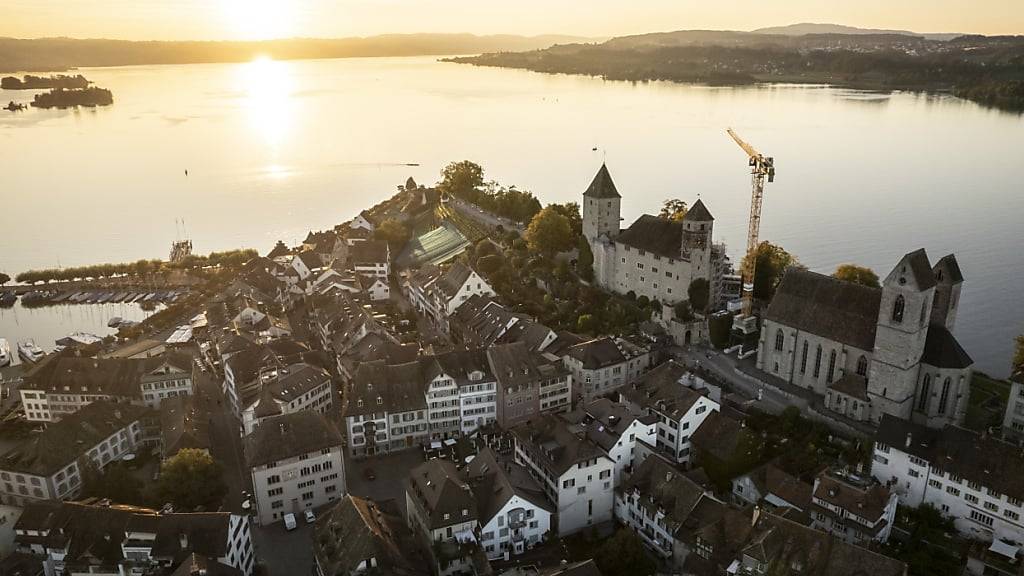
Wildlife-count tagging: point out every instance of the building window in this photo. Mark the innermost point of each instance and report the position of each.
(922, 402)
(983, 519)
(817, 362)
(803, 359)
(831, 366)
(779, 339)
(944, 399)
(897, 309)
(862, 366)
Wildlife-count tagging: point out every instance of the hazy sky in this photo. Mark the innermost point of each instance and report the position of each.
(254, 19)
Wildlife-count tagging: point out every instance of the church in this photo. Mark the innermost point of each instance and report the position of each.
(655, 257)
(873, 351)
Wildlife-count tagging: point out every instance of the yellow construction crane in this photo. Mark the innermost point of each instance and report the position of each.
(761, 168)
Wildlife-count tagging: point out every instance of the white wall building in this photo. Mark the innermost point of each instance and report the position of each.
(437, 293)
(50, 465)
(973, 479)
(603, 365)
(679, 400)
(296, 464)
(858, 510)
(1013, 420)
(575, 473)
(288, 390)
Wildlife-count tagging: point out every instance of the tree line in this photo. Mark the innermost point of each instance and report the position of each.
(226, 259)
(465, 181)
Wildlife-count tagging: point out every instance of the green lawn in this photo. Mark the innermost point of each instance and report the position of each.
(982, 410)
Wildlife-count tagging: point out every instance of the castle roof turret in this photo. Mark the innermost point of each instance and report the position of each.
(699, 213)
(602, 186)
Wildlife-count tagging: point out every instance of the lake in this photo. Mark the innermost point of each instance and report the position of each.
(274, 149)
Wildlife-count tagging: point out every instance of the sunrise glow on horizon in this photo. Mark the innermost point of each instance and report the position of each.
(270, 19)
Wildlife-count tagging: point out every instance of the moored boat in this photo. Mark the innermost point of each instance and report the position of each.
(5, 352)
(29, 351)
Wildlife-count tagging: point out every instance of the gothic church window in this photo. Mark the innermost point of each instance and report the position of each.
(831, 366)
(897, 309)
(944, 399)
(922, 401)
(862, 366)
(779, 340)
(803, 359)
(817, 362)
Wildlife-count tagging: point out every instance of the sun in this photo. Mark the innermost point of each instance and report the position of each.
(259, 19)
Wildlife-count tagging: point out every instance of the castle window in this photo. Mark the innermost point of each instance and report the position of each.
(922, 401)
(817, 362)
(803, 359)
(897, 309)
(944, 399)
(779, 338)
(862, 366)
(831, 366)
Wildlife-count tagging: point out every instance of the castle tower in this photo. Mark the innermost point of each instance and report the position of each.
(903, 318)
(601, 207)
(947, 291)
(697, 225)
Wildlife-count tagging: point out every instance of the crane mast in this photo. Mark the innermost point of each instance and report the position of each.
(762, 168)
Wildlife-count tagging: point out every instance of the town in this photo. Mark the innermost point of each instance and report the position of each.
(460, 381)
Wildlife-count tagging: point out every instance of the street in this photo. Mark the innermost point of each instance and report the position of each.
(724, 366)
(225, 442)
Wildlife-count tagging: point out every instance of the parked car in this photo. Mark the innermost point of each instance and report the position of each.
(289, 521)
(309, 516)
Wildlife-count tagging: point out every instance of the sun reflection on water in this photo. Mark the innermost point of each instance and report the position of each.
(268, 85)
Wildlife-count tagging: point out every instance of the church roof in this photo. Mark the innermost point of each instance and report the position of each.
(952, 267)
(921, 268)
(661, 236)
(699, 212)
(825, 306)
(602, 186)
(942, 350)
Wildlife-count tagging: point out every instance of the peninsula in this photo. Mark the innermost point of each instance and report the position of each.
(29, 82)
(986, 69)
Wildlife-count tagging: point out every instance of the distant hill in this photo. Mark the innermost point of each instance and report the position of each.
(811, 28)
(58, 54)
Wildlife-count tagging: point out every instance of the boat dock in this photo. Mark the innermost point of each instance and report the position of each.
(100, 296)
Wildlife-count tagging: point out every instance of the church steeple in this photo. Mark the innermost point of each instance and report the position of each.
(602, 185)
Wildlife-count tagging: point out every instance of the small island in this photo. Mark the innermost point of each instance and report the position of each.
(61, 98)
(28, 82)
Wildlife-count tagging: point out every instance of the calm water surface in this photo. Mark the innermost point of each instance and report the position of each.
(274, 149)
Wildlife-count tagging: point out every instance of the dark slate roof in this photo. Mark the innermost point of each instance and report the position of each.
(197, 564)
(866, 501)
(853, 385)
(207, 534)
(368, 252)
(440, 490)
(583, 568)
(555, 444)
(659, 236)
(400, 387)
(356, 529)
(942, 350)
(597, 353)
(453, 279)
(983, 459)
(825, 306)
(280, 249)
(605, 421)
(661, 390)
(68, 439)
(921, 268)
(719, 435)
(311, 259)
(495, 484)
(602, 185)
(952, 273)
(515, 365)
(770, 479)
(290, 435)
(698, 212)
(183, 425)
(782, 542)
(661, 486)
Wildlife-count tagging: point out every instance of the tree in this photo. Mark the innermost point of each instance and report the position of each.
(191, 479)
(857, 275)
(624, 555)
(683, 311)
(489, 264)
(772, 262)
(699, 293)
(461, 179)
(1018, 355)
(117, 483)
(571, 210)
(4, 278)
(393, 232)
(586, 323)
(585, 262)
(549, 233)
(673, 209)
